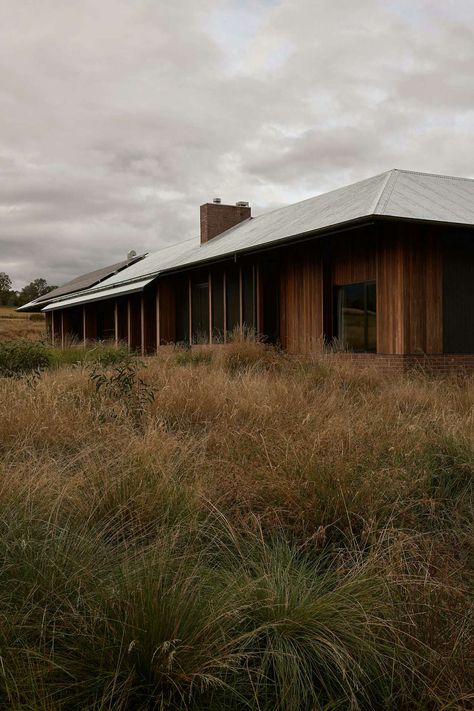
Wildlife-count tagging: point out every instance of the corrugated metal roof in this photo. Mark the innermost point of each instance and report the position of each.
(396, 193)
(84, 281)
(98, 296)
(422, 196)
(155, 262)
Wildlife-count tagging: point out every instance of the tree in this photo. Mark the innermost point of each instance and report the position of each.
(5, 287)
(35, 289)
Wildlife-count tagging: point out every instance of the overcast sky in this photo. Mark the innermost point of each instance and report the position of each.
(118, 118)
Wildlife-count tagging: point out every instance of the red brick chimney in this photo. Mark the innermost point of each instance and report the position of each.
(217, 218)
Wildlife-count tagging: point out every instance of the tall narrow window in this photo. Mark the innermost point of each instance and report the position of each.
(232, 298)
(249, 297)
(200, 311)
(355, 316)
(182, 311)
(217, 282)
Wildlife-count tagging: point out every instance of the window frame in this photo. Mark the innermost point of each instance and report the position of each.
(337, 314)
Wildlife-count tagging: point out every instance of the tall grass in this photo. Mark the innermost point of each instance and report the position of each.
(261, 533)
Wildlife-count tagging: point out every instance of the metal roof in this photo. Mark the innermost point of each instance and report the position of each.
(396, 193)
(155, 262)
(84, 281)
(98, 296)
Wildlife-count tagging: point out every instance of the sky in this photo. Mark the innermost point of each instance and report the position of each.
(118, 118)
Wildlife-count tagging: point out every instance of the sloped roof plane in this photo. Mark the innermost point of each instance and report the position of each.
(396, 193)
(79, 283)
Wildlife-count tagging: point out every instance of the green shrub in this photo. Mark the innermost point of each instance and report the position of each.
(21, 357)
(122, 386)
(103, 353)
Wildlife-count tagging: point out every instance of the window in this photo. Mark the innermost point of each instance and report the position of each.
(182, 311)
(355, 316)
(217, 281)
(200, 311)
(249, 297)
(232, 284)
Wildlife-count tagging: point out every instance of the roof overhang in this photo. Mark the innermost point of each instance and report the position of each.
(98, 295)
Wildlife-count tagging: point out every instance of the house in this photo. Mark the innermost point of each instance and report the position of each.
(383, 267)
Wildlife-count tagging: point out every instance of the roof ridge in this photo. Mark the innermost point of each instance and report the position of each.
(388, 175)
(300, 202)
(431, 175)
(386, 191)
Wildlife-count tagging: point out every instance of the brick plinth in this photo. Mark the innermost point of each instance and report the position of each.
(403, 363)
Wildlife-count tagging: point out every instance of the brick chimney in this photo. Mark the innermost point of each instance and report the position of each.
(217, 218)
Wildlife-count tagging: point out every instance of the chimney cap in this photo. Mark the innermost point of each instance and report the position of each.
(242, 203)
(217, 201)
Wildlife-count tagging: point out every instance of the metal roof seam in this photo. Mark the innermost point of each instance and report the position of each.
(387, 191)
(388, 177)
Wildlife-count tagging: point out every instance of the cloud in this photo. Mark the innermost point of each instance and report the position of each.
(118, 118)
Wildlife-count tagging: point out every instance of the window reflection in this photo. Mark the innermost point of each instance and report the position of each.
(355, 317)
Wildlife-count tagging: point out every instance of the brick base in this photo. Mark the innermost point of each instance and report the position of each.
(403, 363)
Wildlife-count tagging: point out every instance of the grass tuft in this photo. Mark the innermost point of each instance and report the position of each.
(249, 531)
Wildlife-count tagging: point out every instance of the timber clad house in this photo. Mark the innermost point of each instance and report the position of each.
(383, 267)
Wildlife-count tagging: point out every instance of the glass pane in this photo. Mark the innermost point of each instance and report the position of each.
(356, 316)
(371, 317)
(200, 312)
(352, 316)
(217, 281)
(182, 311)
(232, 299)
(248, 296)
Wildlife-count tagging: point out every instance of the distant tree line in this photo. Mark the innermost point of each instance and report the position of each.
(10, 297)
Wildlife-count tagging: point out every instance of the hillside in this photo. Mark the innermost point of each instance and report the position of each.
(234, 530)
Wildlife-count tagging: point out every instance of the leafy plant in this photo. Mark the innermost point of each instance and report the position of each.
(21, 357)
(123, 384)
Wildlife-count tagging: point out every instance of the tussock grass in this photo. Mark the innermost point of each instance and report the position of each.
(236, 531)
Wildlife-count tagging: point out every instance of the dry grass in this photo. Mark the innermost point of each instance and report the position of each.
(15, 325)
(365, 475)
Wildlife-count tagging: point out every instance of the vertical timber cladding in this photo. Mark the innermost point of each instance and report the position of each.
(301, 298)
(409, 289)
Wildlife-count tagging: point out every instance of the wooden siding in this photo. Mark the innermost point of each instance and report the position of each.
(301, 300)
(409, 290)
(353, 259)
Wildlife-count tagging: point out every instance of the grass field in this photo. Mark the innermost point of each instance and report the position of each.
(234, 530)
(15, 325)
